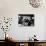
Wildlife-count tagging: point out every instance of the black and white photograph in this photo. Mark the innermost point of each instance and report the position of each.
(26, 19)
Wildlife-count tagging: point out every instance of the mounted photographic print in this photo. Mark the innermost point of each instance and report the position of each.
(26, 19)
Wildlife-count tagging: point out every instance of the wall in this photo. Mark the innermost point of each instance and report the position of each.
(11, 8)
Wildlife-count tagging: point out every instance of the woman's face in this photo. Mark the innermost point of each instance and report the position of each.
(25, 20)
